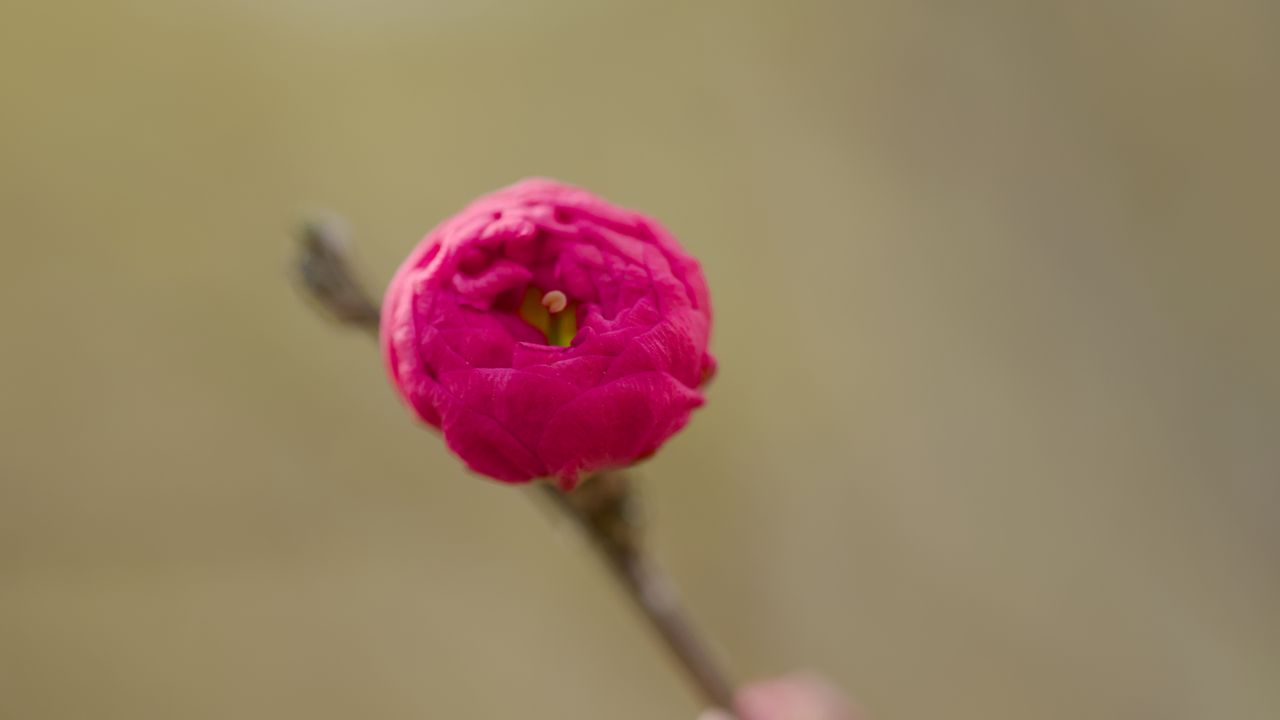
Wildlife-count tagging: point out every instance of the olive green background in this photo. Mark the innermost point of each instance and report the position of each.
(997, 428)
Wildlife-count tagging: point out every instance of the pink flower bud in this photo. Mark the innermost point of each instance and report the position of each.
(547, 333)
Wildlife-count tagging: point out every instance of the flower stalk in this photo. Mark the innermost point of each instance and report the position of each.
(603, 506)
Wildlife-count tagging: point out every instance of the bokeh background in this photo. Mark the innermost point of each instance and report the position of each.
(996, 434)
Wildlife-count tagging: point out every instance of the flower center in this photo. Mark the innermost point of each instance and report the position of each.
(552, 313)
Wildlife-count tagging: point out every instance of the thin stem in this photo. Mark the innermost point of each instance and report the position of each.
(603, 506)
(326, 274)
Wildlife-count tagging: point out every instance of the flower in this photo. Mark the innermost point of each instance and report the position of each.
(791, 697)
(548, 333)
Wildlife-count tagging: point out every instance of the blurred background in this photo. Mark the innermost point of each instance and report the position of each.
(997, 428)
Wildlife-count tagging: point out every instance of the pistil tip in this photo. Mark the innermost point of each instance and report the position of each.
(555, 301)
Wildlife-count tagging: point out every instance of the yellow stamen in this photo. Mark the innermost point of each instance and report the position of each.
(532, 312)
(564, 325)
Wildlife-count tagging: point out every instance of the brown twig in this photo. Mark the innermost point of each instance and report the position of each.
(602, 506)
(325, 270)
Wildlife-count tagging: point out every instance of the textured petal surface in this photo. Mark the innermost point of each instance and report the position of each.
(512, 405)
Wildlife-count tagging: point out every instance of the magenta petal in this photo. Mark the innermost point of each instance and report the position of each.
(666, 347)
(615, 424)
(521, 403)
(487, 447)
(498, 278)
(584, 371)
